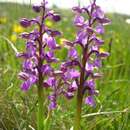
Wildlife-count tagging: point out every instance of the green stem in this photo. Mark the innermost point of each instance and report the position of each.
(78, 113)
(77, 125)
(40, 108)
(41, 113)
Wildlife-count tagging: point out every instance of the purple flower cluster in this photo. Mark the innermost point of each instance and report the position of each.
(80, 70)
(84, 67)
(39, 54)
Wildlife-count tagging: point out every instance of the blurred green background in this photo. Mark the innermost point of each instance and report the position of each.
(17, 108)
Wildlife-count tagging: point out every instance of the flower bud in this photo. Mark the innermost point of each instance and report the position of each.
(56, 17)
(25, 22)
(36, 8)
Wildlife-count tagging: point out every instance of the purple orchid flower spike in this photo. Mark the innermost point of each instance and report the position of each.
(37, 41)
(89, 61)
(39, 56)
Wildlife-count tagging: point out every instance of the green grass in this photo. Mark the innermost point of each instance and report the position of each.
(17, 108)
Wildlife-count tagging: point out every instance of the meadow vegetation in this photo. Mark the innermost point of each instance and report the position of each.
(17, 108)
